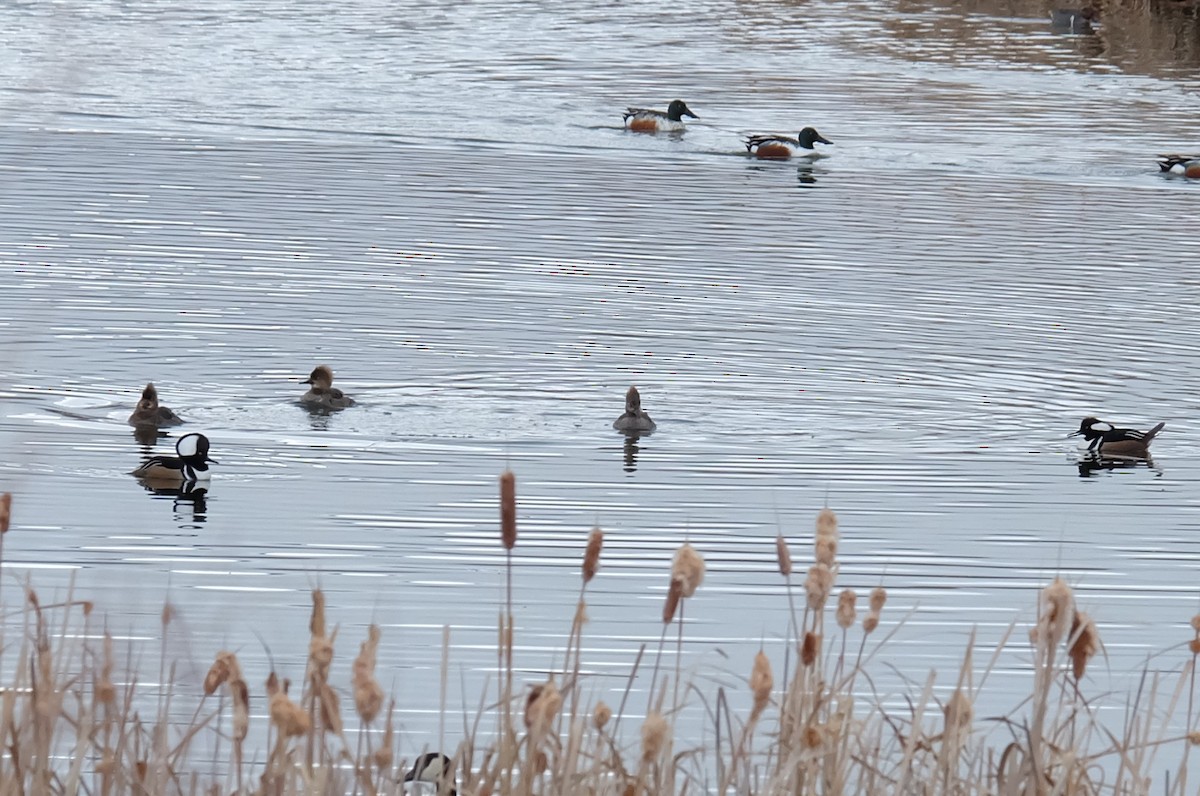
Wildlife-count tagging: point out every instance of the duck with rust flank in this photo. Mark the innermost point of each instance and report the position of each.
(1105, 441)
(644, 120)
(779, 147)
(189, 464)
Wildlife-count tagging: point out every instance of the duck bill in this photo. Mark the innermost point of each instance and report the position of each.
(211, 461)
(688, 112)
(822, 140)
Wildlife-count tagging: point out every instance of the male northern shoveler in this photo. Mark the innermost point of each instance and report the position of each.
(434, 768)
(644, 120)
(149, 413)
(1103, 440)
(634, 420)
(322, 394)
(191, 464)
(1187, 165)
(779, 147)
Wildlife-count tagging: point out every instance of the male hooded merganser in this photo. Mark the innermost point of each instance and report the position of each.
(149, 413)
(190, 465)
(1103, 440)
(435, 768)
(644, 120)
(781, 147)
(322, 394)
(1187, 165)
(634, 420)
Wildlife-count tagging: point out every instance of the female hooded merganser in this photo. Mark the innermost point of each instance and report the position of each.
(435, 768)
(644, 120)
(322, 394)
(1187, 165)
(149, 413)
(634, 420)
(781, 147)
(190, 465)
(1103, 440)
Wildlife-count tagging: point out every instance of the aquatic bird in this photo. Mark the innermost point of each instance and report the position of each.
(1102, 439)
(322, 394)
(644, 120)
(149, 413)
(1187, 165)
(634, 419)
(191, 463)
(435, 768)
(780, 147)
(1074, 20)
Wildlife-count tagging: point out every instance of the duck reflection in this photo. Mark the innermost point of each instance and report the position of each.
(147, 436)
(189, 498)
(630, 450)
(1090, 466)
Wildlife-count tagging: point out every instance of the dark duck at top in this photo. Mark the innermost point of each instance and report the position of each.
(150, 413)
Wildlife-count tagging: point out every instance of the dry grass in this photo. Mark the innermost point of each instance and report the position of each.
(68, 727)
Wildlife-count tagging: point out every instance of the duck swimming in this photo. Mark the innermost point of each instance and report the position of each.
(645, 120)
(434, 768)
(191, 463)
(149, 413)
(1105, 441)
(322, 394)
(634, 420)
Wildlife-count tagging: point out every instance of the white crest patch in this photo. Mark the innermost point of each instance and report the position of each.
(188, 445)
(432, 771)
(1102, 426)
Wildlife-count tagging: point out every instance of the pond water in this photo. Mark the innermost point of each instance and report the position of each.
(439, 200)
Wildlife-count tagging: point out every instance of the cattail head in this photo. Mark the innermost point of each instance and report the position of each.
(846, 608)
(5, 511)
(654, 735)
(541, 706)
(591, 557)
(761, 682)
(688, 569)
(818, 585)
(601, 715)
(368, 694)
(508, 509)
(331, 713)
(383, 755)
(827, 524)
(1057, 609)
(239, 693)
(870, 622)
(1196, 623)
(878, 599)
(320, 656)
(1084, 643)
(105, 691)
(289, 718)
(826, 551)
(810, 649)
(813, 737)
(671, 605)
(316, 623)
(783, 556)
(219, 673)
(958, 713)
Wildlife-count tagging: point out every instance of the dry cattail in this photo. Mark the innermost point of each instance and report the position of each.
(368, 694)
(508, 509)
(674, 592)
(1194, 645)
(105, 691)
(846, 612)
(810, 649)
(688, 569)
(870, 622)
(320, 655)
(1056, 614)
(601, 715)
(240, 695)
(958, 712)
(289, 718)
(813, 737)
(1085, 642)
(316, 623)
(331, 714)
(827, 524)
(591, 557)
(783, 556)
(761, 682)
(541, 707)
(826, 551)
(878, 599)
(5, 511)
(383, 755)
(273, 684)
(218, 673)
(1196, 623)
(654, 735)
(818, 585)
(1194, 738)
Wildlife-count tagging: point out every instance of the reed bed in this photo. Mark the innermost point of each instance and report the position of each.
(808, 721)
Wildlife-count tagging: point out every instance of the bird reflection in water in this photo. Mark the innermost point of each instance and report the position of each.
(190, 498)
(631, 449)
(1090, 466)
(146, 436)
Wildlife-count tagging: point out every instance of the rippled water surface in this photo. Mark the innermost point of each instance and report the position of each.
(439, 200)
